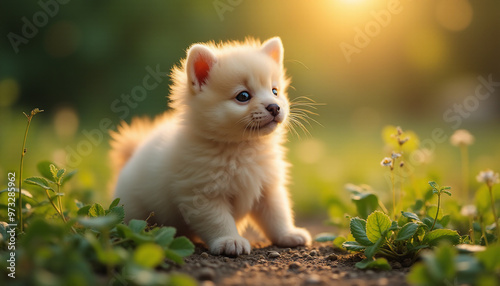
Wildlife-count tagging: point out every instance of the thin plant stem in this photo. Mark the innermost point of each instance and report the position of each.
(465, 170)
(400, 189)
(471, 230)
(483, 232)
(393, 194)
(54, 205)
(59, 201)
(494, 210)
(21, 164)
(437, 212)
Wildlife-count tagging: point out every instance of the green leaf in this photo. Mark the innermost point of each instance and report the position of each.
(428, 222)
(358, 231)
(99, 223)
(434, 185)
(394, 226)
(181, 279)
(43, 168)
(38, 181)
(366, 202)
(179, 248)
(339, 241)
(442, 265)
(419, 275)
(324, 237)
(411, 215)
(490, 258)
(83, 211)
(164, 236)
(149, 255)
(376, 224)
(105, 256)
(379, 263)
(60, 174)
(353, 246)
(445, 220)
(119, 212)
(434, 237)
(53, 172)
(96, 210)
(137, 226)
(172, 255)
(447, 192)
(407, 231)
(182, 246)
(68, 176)
(114, 203)
(370, 251)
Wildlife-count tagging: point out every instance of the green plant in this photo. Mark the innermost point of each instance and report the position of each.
(52, 176)
(490, 179)
(399, 239)
(436, 189)
(446, 266)
(88, 245)
(23, 153)
(379, 236)
(91, 244)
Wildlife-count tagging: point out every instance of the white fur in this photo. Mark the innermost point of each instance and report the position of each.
(207, 167)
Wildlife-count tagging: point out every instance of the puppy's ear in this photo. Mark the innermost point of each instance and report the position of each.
(274, 48)
(200, 60)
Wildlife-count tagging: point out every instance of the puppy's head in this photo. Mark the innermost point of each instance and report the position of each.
(236, 91)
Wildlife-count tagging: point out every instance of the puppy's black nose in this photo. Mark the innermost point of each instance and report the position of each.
(274, 109)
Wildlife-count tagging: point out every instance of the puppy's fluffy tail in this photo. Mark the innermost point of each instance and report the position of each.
(125, 141)
(127, 138)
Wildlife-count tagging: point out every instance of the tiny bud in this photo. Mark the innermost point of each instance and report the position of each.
(399, 130)
(403, 141)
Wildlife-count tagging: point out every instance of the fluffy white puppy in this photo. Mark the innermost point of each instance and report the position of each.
(217, 159)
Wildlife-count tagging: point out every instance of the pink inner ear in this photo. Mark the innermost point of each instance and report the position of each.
(275, 54)
(201, 68)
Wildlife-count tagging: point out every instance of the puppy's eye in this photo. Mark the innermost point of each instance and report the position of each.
(243, 96)
(275, 91)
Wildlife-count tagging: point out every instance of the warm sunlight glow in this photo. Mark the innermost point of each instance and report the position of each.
(352, 1)
(454, 15)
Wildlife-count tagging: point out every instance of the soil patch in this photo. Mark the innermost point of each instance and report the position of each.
(318, 264)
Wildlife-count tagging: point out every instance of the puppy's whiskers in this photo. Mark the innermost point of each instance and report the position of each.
(300, 115)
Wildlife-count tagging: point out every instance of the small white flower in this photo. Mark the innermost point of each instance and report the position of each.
(469, 210)
(395, 155)
(462, 137)
(386, 162)
(488, 177)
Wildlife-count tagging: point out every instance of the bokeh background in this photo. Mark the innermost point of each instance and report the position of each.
(370, 63)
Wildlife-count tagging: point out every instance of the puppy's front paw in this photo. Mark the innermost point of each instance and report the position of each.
(294, 237)
(229, 245)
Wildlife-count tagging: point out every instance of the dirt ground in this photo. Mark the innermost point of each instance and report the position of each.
(318, 264)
